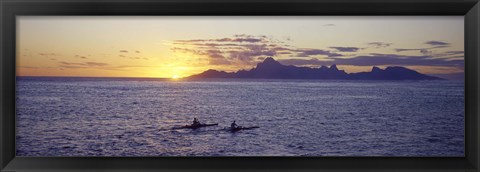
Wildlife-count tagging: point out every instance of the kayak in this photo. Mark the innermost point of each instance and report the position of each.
(241, 128)
(198, 126)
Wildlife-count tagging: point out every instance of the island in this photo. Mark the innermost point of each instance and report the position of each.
(272, 69)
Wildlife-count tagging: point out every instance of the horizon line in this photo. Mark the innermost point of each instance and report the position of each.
(89, 77)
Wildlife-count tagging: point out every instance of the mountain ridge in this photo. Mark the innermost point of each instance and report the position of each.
(272, 69)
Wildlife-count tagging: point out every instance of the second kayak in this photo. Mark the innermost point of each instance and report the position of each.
(240, 128)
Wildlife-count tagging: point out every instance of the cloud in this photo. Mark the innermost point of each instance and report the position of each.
(378, 60)
(74, 65)
(311, 52)
(218, 61)
(71, 63)
(424, 51)
(237, 38)
(304, 62)
(100, 66)
(379, 44)
(249, 50)
(36, 67)
(95, 64)
(244, 49)
(455, 52)
(29, 67)
(421, 50)
(440, 46)
(236, 50)
(250, 40)
(451, 54)
(187, 50)
(123, 51)
(216, 57)
(346, 49)
(437, 43)
(79, 56)
(133, 57)
(47, 54)
(329, 25)
(406, 49)
(394, 59)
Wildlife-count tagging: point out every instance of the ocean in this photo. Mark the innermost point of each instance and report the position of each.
(59, 116)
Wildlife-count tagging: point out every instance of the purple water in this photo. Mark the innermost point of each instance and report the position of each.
(133, 117)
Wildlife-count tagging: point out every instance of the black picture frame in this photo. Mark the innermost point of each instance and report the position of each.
(9, 9)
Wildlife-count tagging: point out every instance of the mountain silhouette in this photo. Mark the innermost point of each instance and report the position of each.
(272, 69)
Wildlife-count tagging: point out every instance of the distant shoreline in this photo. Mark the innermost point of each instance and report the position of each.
(113, 77)
(272, 69)
(79, 78)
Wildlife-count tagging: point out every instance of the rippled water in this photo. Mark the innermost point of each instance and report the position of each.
(133, 117)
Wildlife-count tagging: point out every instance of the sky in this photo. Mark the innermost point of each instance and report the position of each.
(180, 46)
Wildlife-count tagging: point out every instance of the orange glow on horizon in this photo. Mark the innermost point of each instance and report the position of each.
(178, 47)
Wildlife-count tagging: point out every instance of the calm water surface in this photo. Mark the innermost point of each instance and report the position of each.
(134, 117)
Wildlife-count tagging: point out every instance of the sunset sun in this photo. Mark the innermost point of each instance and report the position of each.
(175, 77)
